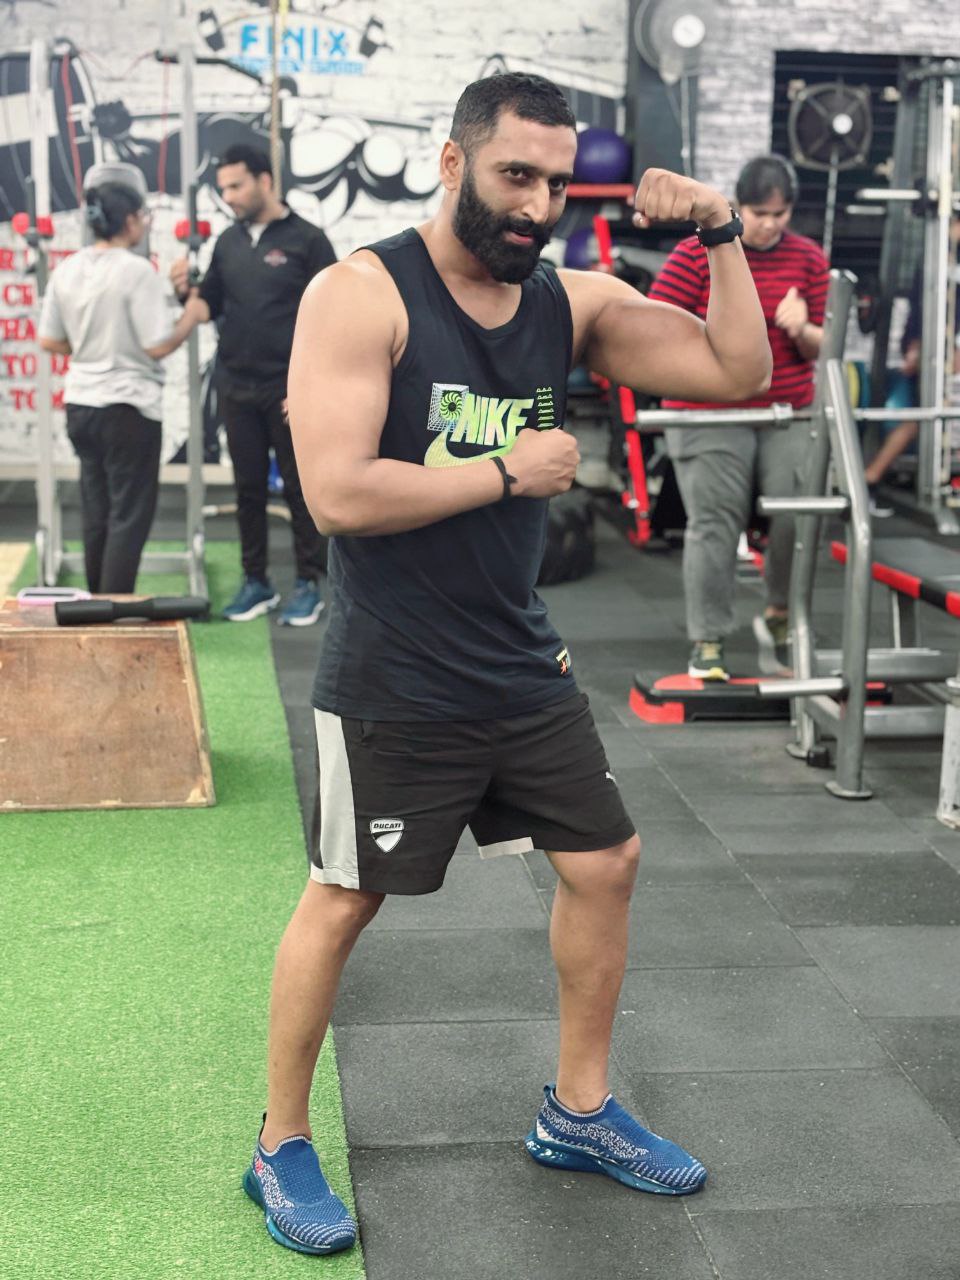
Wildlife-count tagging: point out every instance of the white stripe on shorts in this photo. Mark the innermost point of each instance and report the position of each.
(522, 845)
(338, 824)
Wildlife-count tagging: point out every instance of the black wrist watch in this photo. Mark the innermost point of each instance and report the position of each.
(710, 236)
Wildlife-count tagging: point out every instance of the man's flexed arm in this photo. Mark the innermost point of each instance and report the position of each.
(339, 394)
(661, 349)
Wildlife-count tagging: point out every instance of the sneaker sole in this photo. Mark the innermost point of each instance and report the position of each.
(716, 675)
(308, 621)
(767, 660)
(257, 611)
(558, 1155)
(252, 1187)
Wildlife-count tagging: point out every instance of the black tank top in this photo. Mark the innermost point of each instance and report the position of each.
(443, 622)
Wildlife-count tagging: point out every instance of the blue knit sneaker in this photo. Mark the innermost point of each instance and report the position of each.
(304, 606)
(300, 1210)
(610, 1141)
(253, 599)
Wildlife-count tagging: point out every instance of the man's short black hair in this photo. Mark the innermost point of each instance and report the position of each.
(525, 95)
(257, 161)
(762, 176)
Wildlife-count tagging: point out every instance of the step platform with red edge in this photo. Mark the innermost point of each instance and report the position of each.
(680, 699)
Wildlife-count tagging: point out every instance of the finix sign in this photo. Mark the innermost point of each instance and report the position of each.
(306, 48)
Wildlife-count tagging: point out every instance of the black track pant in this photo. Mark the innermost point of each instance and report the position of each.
(119, 452)
(255, 423)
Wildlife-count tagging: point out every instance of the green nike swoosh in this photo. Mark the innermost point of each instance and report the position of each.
(439, 455)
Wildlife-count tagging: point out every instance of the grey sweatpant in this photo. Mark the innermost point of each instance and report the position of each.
(716, 468)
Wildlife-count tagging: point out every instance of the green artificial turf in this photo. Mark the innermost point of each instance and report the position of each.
(136, 949)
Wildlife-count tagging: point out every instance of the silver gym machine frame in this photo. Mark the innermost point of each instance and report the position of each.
(52, 559)
(828, 688)
(938, 202)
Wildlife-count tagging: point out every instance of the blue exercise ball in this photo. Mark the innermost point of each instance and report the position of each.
(602, 156)
(580, 253)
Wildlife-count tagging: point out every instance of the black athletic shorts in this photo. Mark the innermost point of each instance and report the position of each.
(394, 798)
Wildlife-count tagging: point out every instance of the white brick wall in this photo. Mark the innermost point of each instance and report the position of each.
(434, 50)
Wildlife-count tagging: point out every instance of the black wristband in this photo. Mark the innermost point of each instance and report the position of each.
(508, 479)
(710, 236)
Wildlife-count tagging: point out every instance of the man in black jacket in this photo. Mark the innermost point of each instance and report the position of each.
(252, 289)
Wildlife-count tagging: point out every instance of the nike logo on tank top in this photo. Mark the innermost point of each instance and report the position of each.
(443, 622)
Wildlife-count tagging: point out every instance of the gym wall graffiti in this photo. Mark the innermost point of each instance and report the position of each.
(359, 141)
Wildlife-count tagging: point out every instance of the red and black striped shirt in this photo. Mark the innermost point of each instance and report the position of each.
(794, 261)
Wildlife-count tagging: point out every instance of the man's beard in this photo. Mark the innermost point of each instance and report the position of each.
(481, 231)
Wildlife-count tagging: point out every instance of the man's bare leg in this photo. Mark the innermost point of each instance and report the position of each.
(588, 937)
(899, 439)
(315, 947)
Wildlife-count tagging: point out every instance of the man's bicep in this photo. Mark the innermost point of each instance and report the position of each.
(650, 346)
(339, 382)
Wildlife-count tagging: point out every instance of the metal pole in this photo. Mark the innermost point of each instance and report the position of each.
(775, 415)
(930, 478)
(188, 184)
(831, 209)
(807, 528)
(948, 808)
(856, 611)
(48, 537)
(276, 151)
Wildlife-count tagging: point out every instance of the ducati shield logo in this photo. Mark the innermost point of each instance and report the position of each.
(386, 833)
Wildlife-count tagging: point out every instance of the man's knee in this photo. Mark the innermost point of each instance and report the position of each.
(344, 911)
(609, 871)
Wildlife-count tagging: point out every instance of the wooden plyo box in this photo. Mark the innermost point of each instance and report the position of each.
(99, 717)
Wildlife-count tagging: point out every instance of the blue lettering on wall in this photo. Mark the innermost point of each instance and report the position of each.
(306, 48)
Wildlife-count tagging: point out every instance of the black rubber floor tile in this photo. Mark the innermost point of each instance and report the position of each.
(799, 1139)
(461, 1082)
(677, 853)
(683, 852)
(483, 975)
(858, 888)
(477, 893)
(909, 971)
(907, 792)
(928, 1049)
(540, 870)
(709, 740)
(740, 773)
(492, 1213)
(834, 1244)
(650, 796)
(623, 615)
(945, 840)
(695, 1020)
(707, 926)
(626, 748)
(814, 822)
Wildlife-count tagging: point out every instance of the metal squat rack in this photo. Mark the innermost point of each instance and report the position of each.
(52, 559)
(829, 687)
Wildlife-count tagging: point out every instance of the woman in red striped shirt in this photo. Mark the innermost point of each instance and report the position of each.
(716, 467)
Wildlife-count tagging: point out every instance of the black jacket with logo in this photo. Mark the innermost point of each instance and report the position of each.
(253, 292)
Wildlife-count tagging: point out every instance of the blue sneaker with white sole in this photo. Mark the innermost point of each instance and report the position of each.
(253, 599)
(304, 606)
(610, 1141)
(300, 1210)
